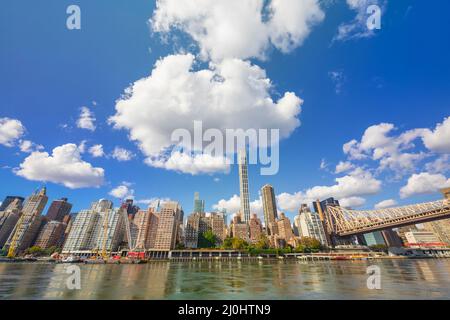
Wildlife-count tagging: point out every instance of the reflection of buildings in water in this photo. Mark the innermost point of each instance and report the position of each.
(423, 268)
(57, 283)
(32, 282)
(151, 280)
(399, 270)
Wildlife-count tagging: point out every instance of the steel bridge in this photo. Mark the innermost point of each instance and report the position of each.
(343, 222)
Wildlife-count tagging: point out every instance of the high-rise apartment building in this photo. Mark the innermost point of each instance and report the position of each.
(112, 228)
(255, 227)
(81, 236)
(284, 228)
(27, 228)
(8, 200)
(308, 224)
(239, 229)
(96, 230)
(269, 208)
(101, 205)
(199, 223)
(51, 235)
(144, 228)
(8, 220)
(243, 185)
(58, 210)
(169, 226)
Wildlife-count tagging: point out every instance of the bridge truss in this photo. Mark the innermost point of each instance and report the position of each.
(343, 222)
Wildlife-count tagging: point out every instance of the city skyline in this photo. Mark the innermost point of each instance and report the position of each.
(371, 131)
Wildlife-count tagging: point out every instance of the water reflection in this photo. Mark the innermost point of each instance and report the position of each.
(401, 279)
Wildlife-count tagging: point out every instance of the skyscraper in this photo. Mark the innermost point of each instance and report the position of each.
(51, 235)
(308, 224)
(243, 184)
(27, 228)
(96, 230)
(269, 208)
(58, 210)
(8, 200)
(255, 227)
(199, 205)
(8, 220)
(284, 228)
(170, 221)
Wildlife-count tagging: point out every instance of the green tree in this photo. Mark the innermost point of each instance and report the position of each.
(3, 252)
(307, 244)
(262, 243)
(239, 244)
(35, 251)
(207, 239)
(227, 243)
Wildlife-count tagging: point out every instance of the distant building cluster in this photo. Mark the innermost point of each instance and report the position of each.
(105, 229)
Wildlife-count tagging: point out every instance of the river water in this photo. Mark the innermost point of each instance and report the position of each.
(400, 279)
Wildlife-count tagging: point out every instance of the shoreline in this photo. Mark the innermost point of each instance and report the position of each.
(216, 259)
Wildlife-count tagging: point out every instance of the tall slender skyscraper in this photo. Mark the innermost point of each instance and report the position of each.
(243, 183)
(199, 205)
(269, 208)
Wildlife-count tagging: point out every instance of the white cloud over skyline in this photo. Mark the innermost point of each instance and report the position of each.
(64, 166)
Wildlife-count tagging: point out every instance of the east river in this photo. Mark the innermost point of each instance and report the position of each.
(400, 279)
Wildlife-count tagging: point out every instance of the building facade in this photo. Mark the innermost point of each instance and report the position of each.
(269, 209)
(8, 220)
(284, 228)
(255, 227)
(58, 210)
(8, 200)
(27, 228)
(243, 186)
(51, 235)
(168, 230)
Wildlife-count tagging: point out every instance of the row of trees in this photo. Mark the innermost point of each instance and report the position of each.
(39, 252)
(35, 251)
(305, 245)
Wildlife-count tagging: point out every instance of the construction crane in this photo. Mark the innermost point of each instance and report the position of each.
(15, 238)
(127, 226)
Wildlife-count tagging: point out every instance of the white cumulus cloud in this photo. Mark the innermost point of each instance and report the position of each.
(239, 29)
(10, 131)
(357, 28)
(231, 95)
(185, 163)
(233, 205)
(347, 189)
(121, 154)
(122, 192)
(64, 166)
(386, 204)
(352, 202)
(28, 146)
(344, 167)
(86, 119)
(424, 183)
(438, 140)
(97, 151)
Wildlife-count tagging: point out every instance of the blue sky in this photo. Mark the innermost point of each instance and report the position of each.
(398, 75)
